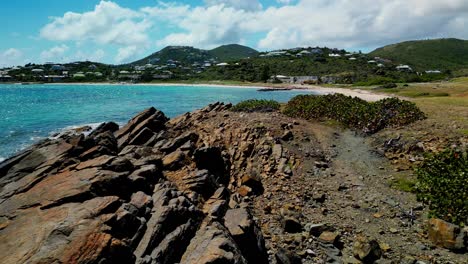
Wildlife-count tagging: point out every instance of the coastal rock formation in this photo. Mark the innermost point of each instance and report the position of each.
(152, 191)
(211, 186)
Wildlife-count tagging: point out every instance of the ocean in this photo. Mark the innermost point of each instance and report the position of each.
(29, 113)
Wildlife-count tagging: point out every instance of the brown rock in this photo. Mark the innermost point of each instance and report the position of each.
(247, 235)
(329, 237)
(447, 235)
(213, 244)
(174, 161)
(367, 250)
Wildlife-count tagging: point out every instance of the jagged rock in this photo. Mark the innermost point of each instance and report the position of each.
(247, 235)
(213, 244)
(202, 182)
(104, 127)
(367, 250)
(217, 205)
(151, 119)
(179, 141)
(142, 137)
(168, 225)
(120, 164)
(174, 160)
(448, 235)
(70, 233)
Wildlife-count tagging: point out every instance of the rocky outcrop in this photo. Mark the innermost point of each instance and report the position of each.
(211, 186)
(153, 191)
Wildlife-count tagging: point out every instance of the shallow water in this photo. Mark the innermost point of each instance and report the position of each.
(29, 113)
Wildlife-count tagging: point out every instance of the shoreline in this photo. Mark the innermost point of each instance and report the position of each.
(363, 94)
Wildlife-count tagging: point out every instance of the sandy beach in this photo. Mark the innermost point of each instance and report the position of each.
(363, 94)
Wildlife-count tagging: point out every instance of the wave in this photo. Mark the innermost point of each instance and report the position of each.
(84, 129)
(2, 159)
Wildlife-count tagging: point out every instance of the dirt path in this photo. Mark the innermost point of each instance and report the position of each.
(342, 186)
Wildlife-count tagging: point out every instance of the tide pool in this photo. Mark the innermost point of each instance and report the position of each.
(29, 113)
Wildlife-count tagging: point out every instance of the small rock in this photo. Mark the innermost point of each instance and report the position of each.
(291, 225)
(287, 136)
(329, 237)
(367, 250)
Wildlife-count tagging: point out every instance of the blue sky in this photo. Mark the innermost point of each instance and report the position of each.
(120, 31)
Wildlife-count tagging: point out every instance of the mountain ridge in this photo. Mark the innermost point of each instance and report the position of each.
(441, 54)
(189, 55)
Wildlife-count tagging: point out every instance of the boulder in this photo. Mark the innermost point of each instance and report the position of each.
(447, 235)
(174, 161)
(247, 235)
(366, 250)
(213, 244)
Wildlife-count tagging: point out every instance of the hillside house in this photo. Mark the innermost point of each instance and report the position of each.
(433, 72)
(404, 68)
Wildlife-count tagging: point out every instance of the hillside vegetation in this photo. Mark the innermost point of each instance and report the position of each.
(232, 52)
(189, 55)
(440, 54)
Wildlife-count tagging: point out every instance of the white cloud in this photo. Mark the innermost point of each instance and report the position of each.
(11, 57)
(333, 23)
(54, 54)
(107, 24)
(127, 53)
(207, 27)
(247, 5)
(80, 55)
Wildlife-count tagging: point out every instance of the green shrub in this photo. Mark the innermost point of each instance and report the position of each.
(443, 185)
(255, 105)
(354, 112)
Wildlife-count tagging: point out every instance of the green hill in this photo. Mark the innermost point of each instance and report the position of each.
(189, 55)
(183, 54)
(440, 54)
(233, 52)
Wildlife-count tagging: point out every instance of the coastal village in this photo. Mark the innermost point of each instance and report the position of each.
(195, 66)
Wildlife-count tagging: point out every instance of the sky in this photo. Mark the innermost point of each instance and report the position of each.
(120, 31)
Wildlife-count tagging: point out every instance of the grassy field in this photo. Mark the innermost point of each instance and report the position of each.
(446, 106)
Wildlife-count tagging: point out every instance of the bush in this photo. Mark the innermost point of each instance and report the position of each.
(256, 106)
(443, 185)
(354, 112)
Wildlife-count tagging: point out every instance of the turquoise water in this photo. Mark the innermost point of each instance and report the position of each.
(29, 113)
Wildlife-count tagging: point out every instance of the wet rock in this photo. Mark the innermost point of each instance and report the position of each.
(367, 250)
(447, 235)
(104, 127)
